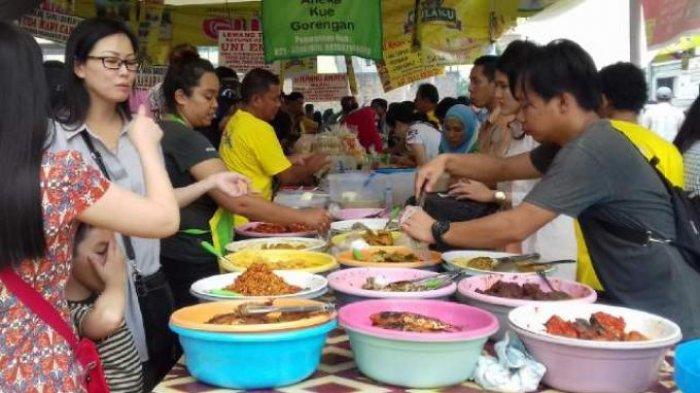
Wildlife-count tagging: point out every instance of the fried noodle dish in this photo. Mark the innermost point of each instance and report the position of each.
(411, 322)
(259, 280)
(600, 327)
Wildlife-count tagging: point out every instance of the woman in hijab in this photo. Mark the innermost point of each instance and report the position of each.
(459, 130)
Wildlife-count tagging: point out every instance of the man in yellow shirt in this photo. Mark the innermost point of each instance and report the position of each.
(250, 145)
(624, 91)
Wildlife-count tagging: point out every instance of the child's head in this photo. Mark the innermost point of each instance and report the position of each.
(90, 243)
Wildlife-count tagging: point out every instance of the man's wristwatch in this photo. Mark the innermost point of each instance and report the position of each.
(438, 229)
(500, 197)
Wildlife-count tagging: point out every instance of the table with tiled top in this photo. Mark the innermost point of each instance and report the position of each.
(337, 373)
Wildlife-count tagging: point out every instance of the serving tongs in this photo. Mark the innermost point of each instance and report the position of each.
(506, 264)
(248, 309)
(429, 283)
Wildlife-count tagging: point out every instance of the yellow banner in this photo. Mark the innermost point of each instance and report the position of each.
(403, 65)
(449, 31)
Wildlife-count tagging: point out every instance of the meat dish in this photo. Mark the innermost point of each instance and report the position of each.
(259, 280)
(600, 327)
(237, 318)
(386, 256)
(411, 322)
(526, 291)
(266, 227)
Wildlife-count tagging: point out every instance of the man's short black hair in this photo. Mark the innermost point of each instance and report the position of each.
(428, 92)
(257, 81)
(294, 96)
(624, 85)
(513, 60)
(380, 102)
(562, 66)
(488, 65)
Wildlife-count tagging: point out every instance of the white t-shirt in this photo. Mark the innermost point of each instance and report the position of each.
(420, 133)
(664, 119)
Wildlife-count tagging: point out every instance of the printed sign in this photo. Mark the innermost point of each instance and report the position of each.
(321, 87)
(303, 28)
(242, 50)
(51, 25)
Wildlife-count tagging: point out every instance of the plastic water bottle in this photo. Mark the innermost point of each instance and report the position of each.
(388, 200)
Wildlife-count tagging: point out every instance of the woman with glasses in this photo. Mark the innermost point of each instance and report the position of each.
(93, 118)
(45, 194)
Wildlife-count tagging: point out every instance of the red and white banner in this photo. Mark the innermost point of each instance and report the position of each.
(242, 50)
(321, 87)
(48, 24)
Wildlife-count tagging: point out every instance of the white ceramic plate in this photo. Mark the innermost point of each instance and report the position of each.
(257, 244)
(530, 319)
(371, 223)
(311, 284)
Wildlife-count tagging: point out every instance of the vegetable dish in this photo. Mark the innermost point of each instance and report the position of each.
(600, 327)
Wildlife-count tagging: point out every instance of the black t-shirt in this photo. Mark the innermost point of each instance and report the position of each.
(184, 148)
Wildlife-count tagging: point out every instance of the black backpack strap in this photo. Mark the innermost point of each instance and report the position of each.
(97, 157)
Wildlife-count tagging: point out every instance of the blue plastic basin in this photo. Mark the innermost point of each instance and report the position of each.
(253, 361)
(688, 367)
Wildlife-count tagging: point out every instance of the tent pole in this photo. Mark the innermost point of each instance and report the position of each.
(635, 25)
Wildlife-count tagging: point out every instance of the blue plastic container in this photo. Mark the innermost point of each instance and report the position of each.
(688, 367)
(253, 361)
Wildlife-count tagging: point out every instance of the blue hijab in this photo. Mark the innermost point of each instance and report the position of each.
(467, 117)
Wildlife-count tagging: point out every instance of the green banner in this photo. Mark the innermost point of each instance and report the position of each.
(303, 28)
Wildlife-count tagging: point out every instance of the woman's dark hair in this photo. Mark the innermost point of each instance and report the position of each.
(562, 66)
(183, 74)
(625, 86)
(689, 132)
(180, 51)
(23, 132)
(405, 112)
(257, 81)
(55, 72)
(74, 104)
(443, 106)
(514, 59)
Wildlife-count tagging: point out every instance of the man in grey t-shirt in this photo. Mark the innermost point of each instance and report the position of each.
(597, 177)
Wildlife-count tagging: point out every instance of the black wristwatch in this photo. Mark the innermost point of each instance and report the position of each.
(438, 229)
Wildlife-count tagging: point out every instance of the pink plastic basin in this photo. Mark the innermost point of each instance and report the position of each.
(475, 323)
(348, 283)
(500, 306)
(595, 366)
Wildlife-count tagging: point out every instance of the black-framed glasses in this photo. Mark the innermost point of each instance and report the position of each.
(115, 63)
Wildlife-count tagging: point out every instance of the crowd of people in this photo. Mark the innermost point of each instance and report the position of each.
(104, 211)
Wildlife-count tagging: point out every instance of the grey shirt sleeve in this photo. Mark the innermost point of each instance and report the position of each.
(575, 181)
